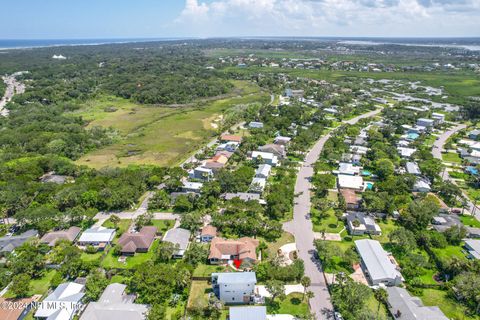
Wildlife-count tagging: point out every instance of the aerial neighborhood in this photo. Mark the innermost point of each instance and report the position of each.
(241, 180)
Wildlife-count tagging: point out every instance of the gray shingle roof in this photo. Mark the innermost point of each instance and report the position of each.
(405, 307)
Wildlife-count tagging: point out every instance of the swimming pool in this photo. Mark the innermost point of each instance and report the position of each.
(413, 136)
(369, 185)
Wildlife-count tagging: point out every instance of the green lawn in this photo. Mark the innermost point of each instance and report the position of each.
(163, 225)
(329, 223)
(450, 251)
(273, 247)
(293, 304)
(451, 157)
(387, 227)
(111, 261)
(205, 270)
(439, 298)
(198, 296)
(470, 221)
(37, 286)
(88, 257)
(372, 304)
(159, 135)
(122, 226)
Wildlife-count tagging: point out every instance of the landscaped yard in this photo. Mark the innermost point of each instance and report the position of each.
(453, 310)
(451, 157)
(111, 261)
(88, 257)
(122, 226)
(449, 252)
(163, 225)
(273, 247)
(293, 304)
(37, 286)
(328, 224)
(205, 270)
(470, 221)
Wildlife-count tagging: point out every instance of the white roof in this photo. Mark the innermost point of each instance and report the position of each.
(61, 302)
(97, 234)
(358, 149)
(376, 260)
(263, 155)
(413, 168)
(474, 245)
(421, 184)
(281, 138)
(192, 185)
(350, 182)
(202, 169)
(264, 170)
(348, 168)
(429, 121)
(406, 152)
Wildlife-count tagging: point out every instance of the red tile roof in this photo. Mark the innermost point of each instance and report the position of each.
(243, 248)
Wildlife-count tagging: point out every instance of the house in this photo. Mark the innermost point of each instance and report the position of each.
(201, 173)
(69, 235)
(378, 266)
(412, 168)
(19, 307)
(230, 138)
(8, 244)
(367, 224)
(474, 134)
(439, 118)
(132, 242)
(234, 287)
(403, 306)
(51, 177)
(282, 140)
(265, 157)
(294, 93)
(356, 158)
(473, 232)
(361, 150)
(422, 185)
(350, 182)
(255, 125)
(427, 123)
(359, 141)
(263, 171)
(276, 149)
(214, 166)
(115, 304)
(223, 250)
(97, 236)
(63, 303)
(473, 248)
(180, 237)
(245, 196)
(219, 158)
(348, 169)
(330, 110)
(194, 187)
(443, 221)
(230, 146)
(406, 152)
(351, 199)
(250, 313)
(208, 233)
(258, 185)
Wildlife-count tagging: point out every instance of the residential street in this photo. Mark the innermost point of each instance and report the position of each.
(301, 228)
(437, 153)
(13, 87)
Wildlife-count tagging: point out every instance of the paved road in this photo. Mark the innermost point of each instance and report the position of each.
(301, 228)
(437, 153)
(13, 87)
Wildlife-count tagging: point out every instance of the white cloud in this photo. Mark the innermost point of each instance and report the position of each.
(330, 17)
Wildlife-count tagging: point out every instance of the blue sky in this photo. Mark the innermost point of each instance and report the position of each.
(56, 19)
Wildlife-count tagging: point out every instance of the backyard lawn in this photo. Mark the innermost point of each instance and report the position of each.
(122, 226)
(293, 304)
(470, 221)
(111, 261)
(450, 251)
(451, 157)
(198, 297)
(453, 310)
(163, 225)
(37, 286)
(205, 270)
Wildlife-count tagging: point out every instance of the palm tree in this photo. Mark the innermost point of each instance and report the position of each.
(381, 295)
(310, 295)
(306, 282)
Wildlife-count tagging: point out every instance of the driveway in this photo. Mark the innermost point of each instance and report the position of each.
(301, 227)
(437, 153)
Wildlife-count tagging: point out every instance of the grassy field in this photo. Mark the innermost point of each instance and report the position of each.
(123, 226)
(205, 270)
(198, 296)
(470, 221)
(329, 224)
(111, 261)
(451, 157)
(159, 135)
(293, 304)
(434, 297)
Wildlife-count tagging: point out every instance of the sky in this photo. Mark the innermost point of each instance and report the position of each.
(102, 19)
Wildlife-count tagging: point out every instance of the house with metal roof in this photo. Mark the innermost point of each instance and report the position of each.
(63, 303)
(96, 236)
(348, 169)
(422, 185)
(367, 224)
(265, 157)
(473, 248)
(250, 313)
(379, 267)
(350, 182)
(245, 196)
(234, 287)
(115, 304)
(9, 243)
(412, 168)
(258, 185)
(180, 237)
(263, 171)
(403, 306)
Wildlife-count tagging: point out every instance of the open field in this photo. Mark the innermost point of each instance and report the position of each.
(434, 297)
(158, 135)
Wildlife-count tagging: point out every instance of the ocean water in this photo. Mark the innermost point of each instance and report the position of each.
(37, 43)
